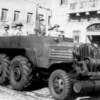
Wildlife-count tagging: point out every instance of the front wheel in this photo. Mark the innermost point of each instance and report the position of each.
(60, 85)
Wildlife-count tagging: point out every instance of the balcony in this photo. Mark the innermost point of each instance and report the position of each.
(84, 6)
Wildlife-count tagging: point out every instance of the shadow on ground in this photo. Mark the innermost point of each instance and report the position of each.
(93, 96)
(36, 85)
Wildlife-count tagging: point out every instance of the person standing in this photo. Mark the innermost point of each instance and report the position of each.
(42, 30)
(18, 31)
(36, 31)
(54, 31)
(13, 30)
(5, 32)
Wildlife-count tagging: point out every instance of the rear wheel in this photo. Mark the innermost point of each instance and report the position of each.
(20, 73)
(60, 85)
(4, 69)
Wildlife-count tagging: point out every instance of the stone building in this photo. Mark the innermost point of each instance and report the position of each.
(59, 14)
(84, 20)
(80, 19)
(24, 11)
(13, 11)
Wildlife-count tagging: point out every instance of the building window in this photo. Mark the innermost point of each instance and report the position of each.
(83, 4)
(72, 6)
(76, 39)
(16, 15)
(76, 35)
(92, 3)
(63, 2)
(29, 17)
(4, 14)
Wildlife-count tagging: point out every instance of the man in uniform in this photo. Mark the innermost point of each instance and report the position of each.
(18, 31)
(36, 32)
(54, 31)
(42, 28)
(13, 30)
(5, 32)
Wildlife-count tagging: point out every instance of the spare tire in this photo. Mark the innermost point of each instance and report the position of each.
(20, 73)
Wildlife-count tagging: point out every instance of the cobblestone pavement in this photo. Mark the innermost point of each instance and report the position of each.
(9, 94)
(41, 94)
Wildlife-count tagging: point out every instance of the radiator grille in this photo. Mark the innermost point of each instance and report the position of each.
(61, 53)
(86, 50)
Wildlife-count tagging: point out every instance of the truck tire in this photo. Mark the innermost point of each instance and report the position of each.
(4, 69)
(20, 73)
(60, 85)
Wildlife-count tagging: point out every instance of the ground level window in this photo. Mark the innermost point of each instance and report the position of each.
(76, 36)
(76, 39)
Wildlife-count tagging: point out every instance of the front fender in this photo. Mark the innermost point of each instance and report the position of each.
(58, 62)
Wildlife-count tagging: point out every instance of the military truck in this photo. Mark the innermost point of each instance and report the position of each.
(67, 67)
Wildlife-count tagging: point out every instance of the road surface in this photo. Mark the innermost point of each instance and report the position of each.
(41, 94)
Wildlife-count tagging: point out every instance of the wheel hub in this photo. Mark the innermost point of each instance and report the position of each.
(58, 85)
(17, 73)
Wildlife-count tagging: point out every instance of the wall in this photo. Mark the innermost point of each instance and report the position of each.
(24, 6)
(59, 15)
(82, 13)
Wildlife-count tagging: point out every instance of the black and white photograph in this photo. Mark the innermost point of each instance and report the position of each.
(49, 49)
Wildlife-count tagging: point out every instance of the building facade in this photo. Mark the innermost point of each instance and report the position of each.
(84, 20)
(59, 14)
(77, 18)
(24, 11)
(80, 19)
(13, 11)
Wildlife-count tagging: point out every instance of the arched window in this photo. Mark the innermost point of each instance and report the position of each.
(94, 27)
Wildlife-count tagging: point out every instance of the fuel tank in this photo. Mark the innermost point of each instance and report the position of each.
(87, 86)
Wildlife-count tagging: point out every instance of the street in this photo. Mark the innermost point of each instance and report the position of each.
(41, 94)
(9, 94)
